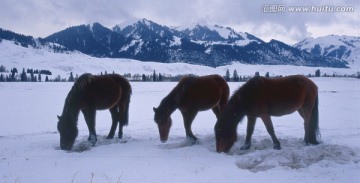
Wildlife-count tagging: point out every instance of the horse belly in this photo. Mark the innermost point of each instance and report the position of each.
(284, 107)
(107, 98)
(207, 102)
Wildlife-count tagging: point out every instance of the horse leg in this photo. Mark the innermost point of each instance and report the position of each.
(89, 115)
(249, 132)
(306, 123)
(122, 118)
(189, 117)
(115, 120)
(270, 129)
(216, 111)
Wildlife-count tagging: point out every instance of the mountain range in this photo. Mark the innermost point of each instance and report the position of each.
(145, 40)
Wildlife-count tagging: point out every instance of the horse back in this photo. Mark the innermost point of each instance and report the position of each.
(280, 96)
(99, 92)
(122, 82)
(202, 92)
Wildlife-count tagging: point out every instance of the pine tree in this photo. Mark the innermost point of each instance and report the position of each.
(2, 68)
(236, 76)
(154, 76)
(267, 75)
(71, 77)
(32, 77)
(227, 75)
(39, 77)
(317, 73)
(160, 77)
(143, 77)
(13, 71)
(23, 76)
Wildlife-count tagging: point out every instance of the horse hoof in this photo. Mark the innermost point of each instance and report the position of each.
(277, 146)
(120, 136)
(192, 140)
(109, 137)
(92, 140)
(315, 143)
(245, 147)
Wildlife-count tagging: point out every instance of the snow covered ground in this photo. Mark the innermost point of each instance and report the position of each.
(30, 152)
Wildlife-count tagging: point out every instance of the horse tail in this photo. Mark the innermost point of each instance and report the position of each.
(125, 101)
(314, 133)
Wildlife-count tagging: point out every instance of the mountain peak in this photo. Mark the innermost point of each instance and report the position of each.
(132, 22)
(341, 47)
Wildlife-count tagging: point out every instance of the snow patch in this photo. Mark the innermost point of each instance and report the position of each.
(294, 155)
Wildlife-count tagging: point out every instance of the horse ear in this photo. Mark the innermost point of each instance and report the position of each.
(154, 109)
(59, 117)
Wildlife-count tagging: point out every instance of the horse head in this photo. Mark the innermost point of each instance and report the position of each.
(225, 137)
(68, 133)
(163, 120)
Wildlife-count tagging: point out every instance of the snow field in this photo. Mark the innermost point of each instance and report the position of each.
(30, 152)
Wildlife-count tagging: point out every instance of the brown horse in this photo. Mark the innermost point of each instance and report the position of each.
(88, 94)
(191, 95)
(263, 97)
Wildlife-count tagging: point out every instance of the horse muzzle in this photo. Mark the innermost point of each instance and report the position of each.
(65, 147)
(164, 140)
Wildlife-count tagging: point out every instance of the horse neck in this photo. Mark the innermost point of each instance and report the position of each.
(169, 104)
(234, 112)
(71, 109)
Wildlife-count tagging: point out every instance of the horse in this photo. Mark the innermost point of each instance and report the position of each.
(191, 95)
(263, 97)
(88, 94)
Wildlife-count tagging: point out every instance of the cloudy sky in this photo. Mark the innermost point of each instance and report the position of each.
(266, 19)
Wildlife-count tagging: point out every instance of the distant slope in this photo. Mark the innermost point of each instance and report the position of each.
(15, 55)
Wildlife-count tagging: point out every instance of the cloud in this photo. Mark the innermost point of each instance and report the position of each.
(43, 17)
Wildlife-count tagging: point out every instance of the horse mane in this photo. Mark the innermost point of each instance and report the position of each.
(172, 100)
(238, 102)
(82, 82)
(78, 87)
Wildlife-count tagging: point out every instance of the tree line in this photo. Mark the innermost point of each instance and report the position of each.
(36, 75)
(28, 75)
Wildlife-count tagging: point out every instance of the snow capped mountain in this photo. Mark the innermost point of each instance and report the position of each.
(215, 34)
(342, 47)
(143, 29)
(210, 45)
(95, 40)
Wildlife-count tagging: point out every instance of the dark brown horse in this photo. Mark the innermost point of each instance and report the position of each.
(262, 97)
(191, 95)
(88, 94)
